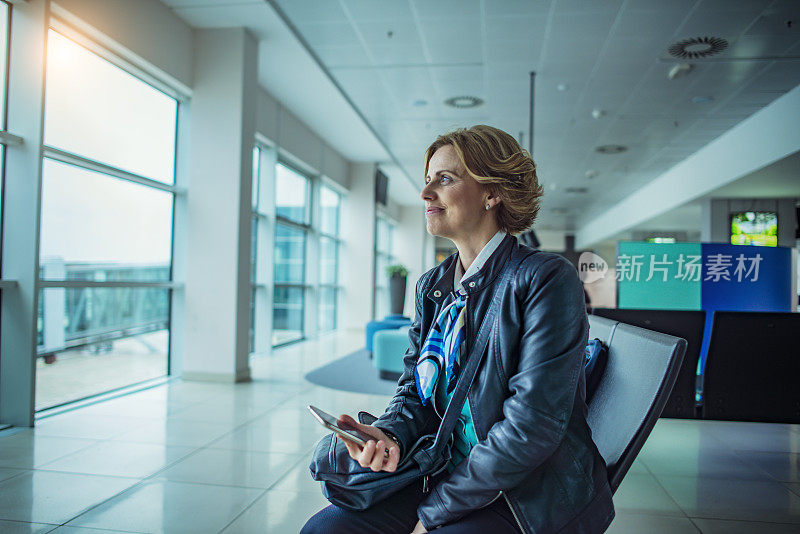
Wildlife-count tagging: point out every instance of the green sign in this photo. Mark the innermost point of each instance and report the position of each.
(663, 276)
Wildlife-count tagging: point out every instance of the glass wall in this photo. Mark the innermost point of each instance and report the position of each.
(384, 256)
(4, 31)
(292, 225)
(329, 207)
(106, 227)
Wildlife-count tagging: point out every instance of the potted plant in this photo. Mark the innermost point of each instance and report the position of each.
(397, 287)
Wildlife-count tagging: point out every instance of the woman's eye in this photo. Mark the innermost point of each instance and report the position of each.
(445, 177)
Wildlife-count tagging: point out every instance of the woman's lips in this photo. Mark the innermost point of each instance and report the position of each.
(432, 211)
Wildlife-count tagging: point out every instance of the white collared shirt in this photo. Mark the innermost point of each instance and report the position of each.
(479, 261)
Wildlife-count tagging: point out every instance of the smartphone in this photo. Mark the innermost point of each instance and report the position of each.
(342, 429)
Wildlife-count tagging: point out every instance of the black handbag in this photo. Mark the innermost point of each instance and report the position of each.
(348, 485)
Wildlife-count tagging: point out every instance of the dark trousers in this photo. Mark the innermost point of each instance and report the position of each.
(398, 515)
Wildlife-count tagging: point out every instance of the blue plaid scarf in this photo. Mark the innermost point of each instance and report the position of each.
(442, 349)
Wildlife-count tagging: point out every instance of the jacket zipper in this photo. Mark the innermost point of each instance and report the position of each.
(469, 406)
(513, 512)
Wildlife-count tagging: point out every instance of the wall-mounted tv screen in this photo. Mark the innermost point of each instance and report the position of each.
(754, 228)
(381, 187)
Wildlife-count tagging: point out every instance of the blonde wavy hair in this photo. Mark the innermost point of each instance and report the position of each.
(494, 158)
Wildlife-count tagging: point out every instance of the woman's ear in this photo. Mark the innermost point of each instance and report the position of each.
(493, 201)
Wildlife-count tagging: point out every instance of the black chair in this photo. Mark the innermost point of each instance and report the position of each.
(641, 371)
(752, 367)
(687, 324)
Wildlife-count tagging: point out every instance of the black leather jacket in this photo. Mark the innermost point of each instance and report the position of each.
(535, 448)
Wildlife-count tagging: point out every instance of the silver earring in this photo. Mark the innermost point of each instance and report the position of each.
(487, 207)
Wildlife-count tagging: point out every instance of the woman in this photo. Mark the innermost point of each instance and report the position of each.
(523, 455)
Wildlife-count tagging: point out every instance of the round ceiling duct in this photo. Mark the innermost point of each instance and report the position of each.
(698, 47)
(463, 102)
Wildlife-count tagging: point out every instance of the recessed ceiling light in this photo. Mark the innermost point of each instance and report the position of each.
(698, 47)
(591, 173)
(598, 113)
(610, 149)
(702, 99)
(462, 102)
(420, 103)
(562, 87)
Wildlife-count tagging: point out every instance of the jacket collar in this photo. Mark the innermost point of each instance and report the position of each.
(478, 281)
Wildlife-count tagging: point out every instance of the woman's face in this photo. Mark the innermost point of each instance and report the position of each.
(454, 201)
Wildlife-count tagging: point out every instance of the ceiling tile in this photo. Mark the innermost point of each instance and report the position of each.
(398, 55)
(447, 9)
(311, 10)
(343, 56)
(516, 8)
(503, 30)
(389, 33)
(726, 24)
(525, 54)
(329, 34)
(763, 45)
(407, 84)
(453, 41)
(377, 10)
(582, 6)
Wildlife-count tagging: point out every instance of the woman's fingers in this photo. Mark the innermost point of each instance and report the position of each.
(365, 458)
(391, 462)
(353, 449)
(373, 455)
(378, 456)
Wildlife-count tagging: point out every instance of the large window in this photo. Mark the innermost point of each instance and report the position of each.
(4, 31)
(5, 137)
(295, 218)
(384, 256)
(292, 225)
(328, 294)
(106, 227)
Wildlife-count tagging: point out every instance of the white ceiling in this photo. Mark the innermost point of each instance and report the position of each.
(610, 54)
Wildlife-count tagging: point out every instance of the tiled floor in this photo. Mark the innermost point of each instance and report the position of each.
(199, 457)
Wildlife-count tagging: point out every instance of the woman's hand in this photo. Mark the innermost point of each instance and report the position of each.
(419, 529)
(372, 454)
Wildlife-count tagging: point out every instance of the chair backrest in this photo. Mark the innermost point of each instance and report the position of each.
(641, 370)
(688, 324)
(601, 328)
(752, 367)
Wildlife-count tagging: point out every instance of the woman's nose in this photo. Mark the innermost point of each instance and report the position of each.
(427, 192)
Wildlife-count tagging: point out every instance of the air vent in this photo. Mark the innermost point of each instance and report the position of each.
(698, 47)
(610, 149)
(463, 102)
(576, 189)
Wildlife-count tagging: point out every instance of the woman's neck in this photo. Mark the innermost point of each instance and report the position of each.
(470, 246)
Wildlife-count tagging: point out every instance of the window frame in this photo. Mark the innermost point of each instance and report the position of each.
(336, 286)
(377, 288)
(109, 171)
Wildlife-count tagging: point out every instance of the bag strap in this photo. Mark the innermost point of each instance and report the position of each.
(453, 411)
